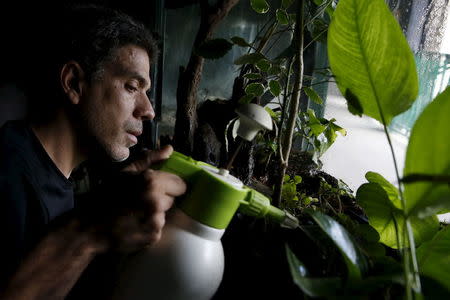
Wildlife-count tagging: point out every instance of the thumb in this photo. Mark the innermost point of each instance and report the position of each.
(148, 158)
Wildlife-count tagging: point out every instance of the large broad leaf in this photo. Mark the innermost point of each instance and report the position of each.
(429, 153)
(434, 258)
(390, 189)
(371, 59)
(388, 219)
(313, 287)
(334, 288)
(354, 259)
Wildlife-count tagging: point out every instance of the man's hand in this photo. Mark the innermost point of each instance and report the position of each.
(136, 203)
(148, 158)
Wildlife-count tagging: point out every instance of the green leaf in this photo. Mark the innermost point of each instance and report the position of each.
(383, 215)
(337, 128)
(286, 3)
(391, 191)
(354, 259)
(253, 76)
(275, 87)
(312, 95)
(275, 70)
(255, 88)
(263, 65)
(313, 287)
(282, 17)
(330, 135)
(434, 259)
(272, 114)
(353, 103)
(369, 233)
(314, 124)
(240, 41)
(260, 6)
(432, 289)
(429, 153)
(297, 179)
(214, 49)
(251, 58)
(246, 99)
(370, 57)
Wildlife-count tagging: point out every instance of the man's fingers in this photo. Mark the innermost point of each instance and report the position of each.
(161, 154)
(149, 158)
(164, 183)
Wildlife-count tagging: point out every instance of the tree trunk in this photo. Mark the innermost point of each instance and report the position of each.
(189, 79)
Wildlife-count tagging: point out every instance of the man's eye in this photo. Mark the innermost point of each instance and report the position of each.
(131, 88)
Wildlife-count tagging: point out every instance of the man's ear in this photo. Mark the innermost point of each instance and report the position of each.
(72, 81)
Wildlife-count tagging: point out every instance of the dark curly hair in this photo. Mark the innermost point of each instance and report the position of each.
(88, 34)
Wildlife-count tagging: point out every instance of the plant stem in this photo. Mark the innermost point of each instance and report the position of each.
(283, 111)
(315, 39)
(409, 232)
(294, 103)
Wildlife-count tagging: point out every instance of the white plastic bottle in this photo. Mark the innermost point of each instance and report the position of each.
(187, 263)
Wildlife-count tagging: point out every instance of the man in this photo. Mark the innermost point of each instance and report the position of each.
(95, 100)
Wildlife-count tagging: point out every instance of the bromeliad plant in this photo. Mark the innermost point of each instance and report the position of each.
(375, 71)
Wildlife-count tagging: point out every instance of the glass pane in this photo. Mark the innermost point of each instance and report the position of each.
(428, 33)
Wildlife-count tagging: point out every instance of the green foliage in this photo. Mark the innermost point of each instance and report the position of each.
(282, 16)
(429, 153)
(274, 115)
(246, 99)
(313, 287)
(237, 40)
(263, 65)
(318, 29)
(320, 133)
(253, 76)
(391, 191)
(260, 6)
(255, 89)
(312, 95)
(385, 271)
(286, 3)
(433, 258)
(324, 5)
(275, 88)
(251, 58)
(354, 259)
(289, 190)
(380, 205)
(370, 72)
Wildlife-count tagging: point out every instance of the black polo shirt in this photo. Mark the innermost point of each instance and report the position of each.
(33, 191)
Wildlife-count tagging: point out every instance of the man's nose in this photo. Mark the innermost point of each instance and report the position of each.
(144, 109)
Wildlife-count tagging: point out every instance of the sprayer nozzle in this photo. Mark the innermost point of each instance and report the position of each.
(290, 221)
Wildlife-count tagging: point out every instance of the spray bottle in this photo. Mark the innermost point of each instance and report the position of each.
(188, 262)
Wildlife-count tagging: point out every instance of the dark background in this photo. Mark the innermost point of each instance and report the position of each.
(22, 52)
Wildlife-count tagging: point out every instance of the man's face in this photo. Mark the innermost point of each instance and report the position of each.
(114, 106)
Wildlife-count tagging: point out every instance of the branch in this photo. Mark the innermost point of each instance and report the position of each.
(295, 100)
